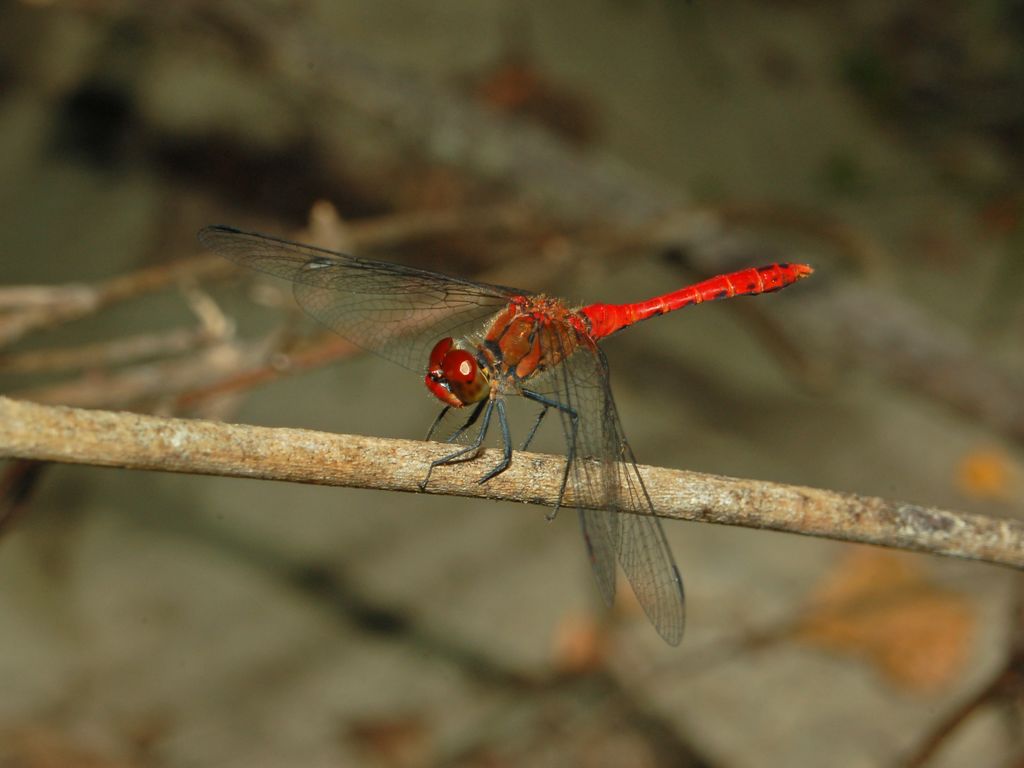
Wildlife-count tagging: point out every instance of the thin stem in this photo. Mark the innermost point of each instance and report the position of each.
(134, 441)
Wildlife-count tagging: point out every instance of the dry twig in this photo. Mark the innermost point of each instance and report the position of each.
(27, 309)
(126, 349)
(856, 245)
(133, 441)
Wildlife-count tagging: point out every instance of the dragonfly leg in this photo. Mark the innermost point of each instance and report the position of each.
(533, 429)
(468, 423)
(456, 455)
(570, 454)
(437, 421)
(506, 439)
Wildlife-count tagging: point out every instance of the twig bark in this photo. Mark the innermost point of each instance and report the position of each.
(133, 441)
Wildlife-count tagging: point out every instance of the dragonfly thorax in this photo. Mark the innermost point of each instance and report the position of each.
(454, 376)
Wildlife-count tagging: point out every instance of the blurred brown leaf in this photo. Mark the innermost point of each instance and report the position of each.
(45, 747)
(514, 86)
(580, 645)
(988, 474)
(880, 606)
(402, 740)
(1002, 215)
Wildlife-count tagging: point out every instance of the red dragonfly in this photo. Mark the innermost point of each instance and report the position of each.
(476, 343)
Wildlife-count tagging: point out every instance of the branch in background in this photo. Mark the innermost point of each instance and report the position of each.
(327, 348)
(140, 385)
(860, 250)
(127, 349)
(33, 308)
(131, 441)
(89, 299)
(213, 327)
(899, 341)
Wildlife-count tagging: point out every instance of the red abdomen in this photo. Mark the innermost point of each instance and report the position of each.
(606, 319)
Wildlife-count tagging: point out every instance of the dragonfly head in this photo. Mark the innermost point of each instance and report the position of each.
(454, 376)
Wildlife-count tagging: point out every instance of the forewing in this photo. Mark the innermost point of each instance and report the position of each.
(604, 476)
(399, 312)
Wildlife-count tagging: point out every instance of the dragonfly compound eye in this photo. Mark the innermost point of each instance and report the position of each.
(437, 354)
(459, 367)
(464, 378)
(453, 375)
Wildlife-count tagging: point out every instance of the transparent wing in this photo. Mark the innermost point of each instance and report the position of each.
(399, 312)
(602, 471)
(600, 533)
(645, 555)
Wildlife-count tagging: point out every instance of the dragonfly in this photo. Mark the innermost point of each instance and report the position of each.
(475, 344)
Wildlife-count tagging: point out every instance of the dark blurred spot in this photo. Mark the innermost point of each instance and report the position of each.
(93, 122)
(780, 66)
(17, 486)
(675, 256)
(868, 74)
(6, 76)
(282, 181)
(942, 73)
(1012, 13)
(842, 174)
(327, 586)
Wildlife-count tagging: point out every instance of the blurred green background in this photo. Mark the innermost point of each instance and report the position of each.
(635, 145)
